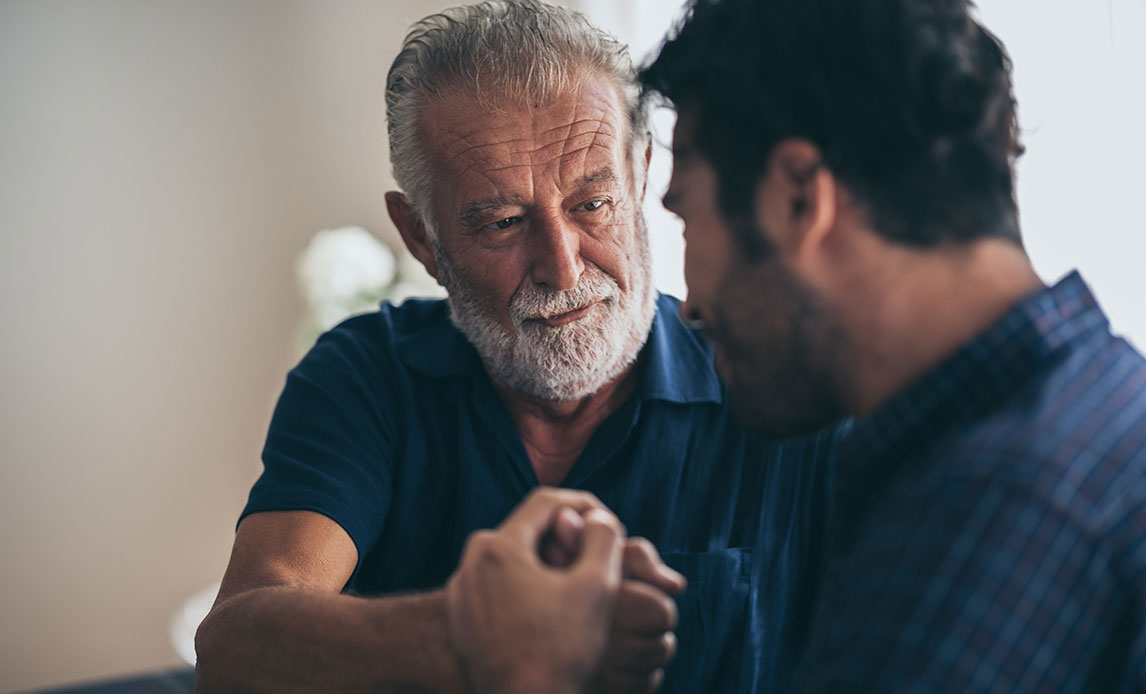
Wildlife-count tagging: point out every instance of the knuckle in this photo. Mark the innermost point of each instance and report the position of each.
(589, 497)
(646, 653)
(657, 652)
(667, 646)
(567, 496)
(630, 596)
(660, 615)
(540, 496)
(545, 493)
(605, 519)
(481, 539)
(578, 495)
(655, 680)
(482, 543)
(643, 547)
(668, 613)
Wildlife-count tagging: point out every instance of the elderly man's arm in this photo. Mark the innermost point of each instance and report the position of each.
(280, 623)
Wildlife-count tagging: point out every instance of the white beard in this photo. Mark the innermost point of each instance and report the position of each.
(567, 362)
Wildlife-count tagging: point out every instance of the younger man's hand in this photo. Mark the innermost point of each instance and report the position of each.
(520, 625)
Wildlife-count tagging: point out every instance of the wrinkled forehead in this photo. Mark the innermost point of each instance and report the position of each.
(561, 134)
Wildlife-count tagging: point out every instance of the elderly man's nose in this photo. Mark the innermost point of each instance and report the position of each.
(557, 259)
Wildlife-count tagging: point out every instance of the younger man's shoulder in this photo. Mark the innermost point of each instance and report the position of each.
(1074, 440)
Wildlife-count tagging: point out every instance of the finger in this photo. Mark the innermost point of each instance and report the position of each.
(644, 609)
(628, 682)
(535, 515)
(560, 545)
(602, 543)
(639, 653)
(643, 562)
(567, 528)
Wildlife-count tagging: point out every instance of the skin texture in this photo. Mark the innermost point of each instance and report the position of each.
(281, 624)
(522, 625)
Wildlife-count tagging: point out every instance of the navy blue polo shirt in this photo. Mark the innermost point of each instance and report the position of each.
(391, 427)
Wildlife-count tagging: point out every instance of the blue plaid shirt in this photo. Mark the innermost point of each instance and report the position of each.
(990, 528)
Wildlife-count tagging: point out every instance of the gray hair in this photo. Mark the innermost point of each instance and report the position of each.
(497, 50)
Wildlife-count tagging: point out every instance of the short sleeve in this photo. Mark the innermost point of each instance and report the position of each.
(331, 440)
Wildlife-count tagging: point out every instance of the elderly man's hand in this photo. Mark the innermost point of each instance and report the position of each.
(641, 639)
(520, 625)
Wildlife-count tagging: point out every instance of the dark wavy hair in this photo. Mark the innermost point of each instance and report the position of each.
(910, 102)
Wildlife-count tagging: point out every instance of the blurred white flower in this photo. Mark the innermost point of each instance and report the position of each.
(414, 281)
(185, 622)
(341, 265)
(347, 271)
(342, 272)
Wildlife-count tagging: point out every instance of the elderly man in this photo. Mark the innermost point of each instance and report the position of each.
(517, 133)
(844, 169)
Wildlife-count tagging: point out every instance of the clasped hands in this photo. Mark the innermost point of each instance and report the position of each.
(558, 600)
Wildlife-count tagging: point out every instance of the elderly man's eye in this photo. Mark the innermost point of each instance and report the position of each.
(503, 224)
(592, 205)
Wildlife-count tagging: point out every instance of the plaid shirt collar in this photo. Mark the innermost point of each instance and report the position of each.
(1034, 334)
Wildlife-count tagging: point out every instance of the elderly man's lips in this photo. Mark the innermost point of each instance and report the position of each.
(566, 318)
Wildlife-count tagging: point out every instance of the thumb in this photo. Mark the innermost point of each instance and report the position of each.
(643, 563)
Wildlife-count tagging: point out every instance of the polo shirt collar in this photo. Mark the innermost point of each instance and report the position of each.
(438, 349)
(678, 363)
(676, 360)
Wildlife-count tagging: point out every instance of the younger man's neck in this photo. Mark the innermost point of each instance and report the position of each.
(929, 305)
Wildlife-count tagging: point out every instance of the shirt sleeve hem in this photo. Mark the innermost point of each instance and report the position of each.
(330, 507)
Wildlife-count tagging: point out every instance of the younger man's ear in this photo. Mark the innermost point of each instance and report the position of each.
(796, 198)
(413, 231)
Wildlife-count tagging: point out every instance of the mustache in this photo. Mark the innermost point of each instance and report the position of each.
(535, 301)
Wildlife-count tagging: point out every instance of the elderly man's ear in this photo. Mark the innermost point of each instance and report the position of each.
(413, 231)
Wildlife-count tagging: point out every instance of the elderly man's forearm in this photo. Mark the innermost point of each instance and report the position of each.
(290, 640)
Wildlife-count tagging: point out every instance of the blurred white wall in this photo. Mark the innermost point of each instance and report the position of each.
(1080, 80)
(162, 163)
